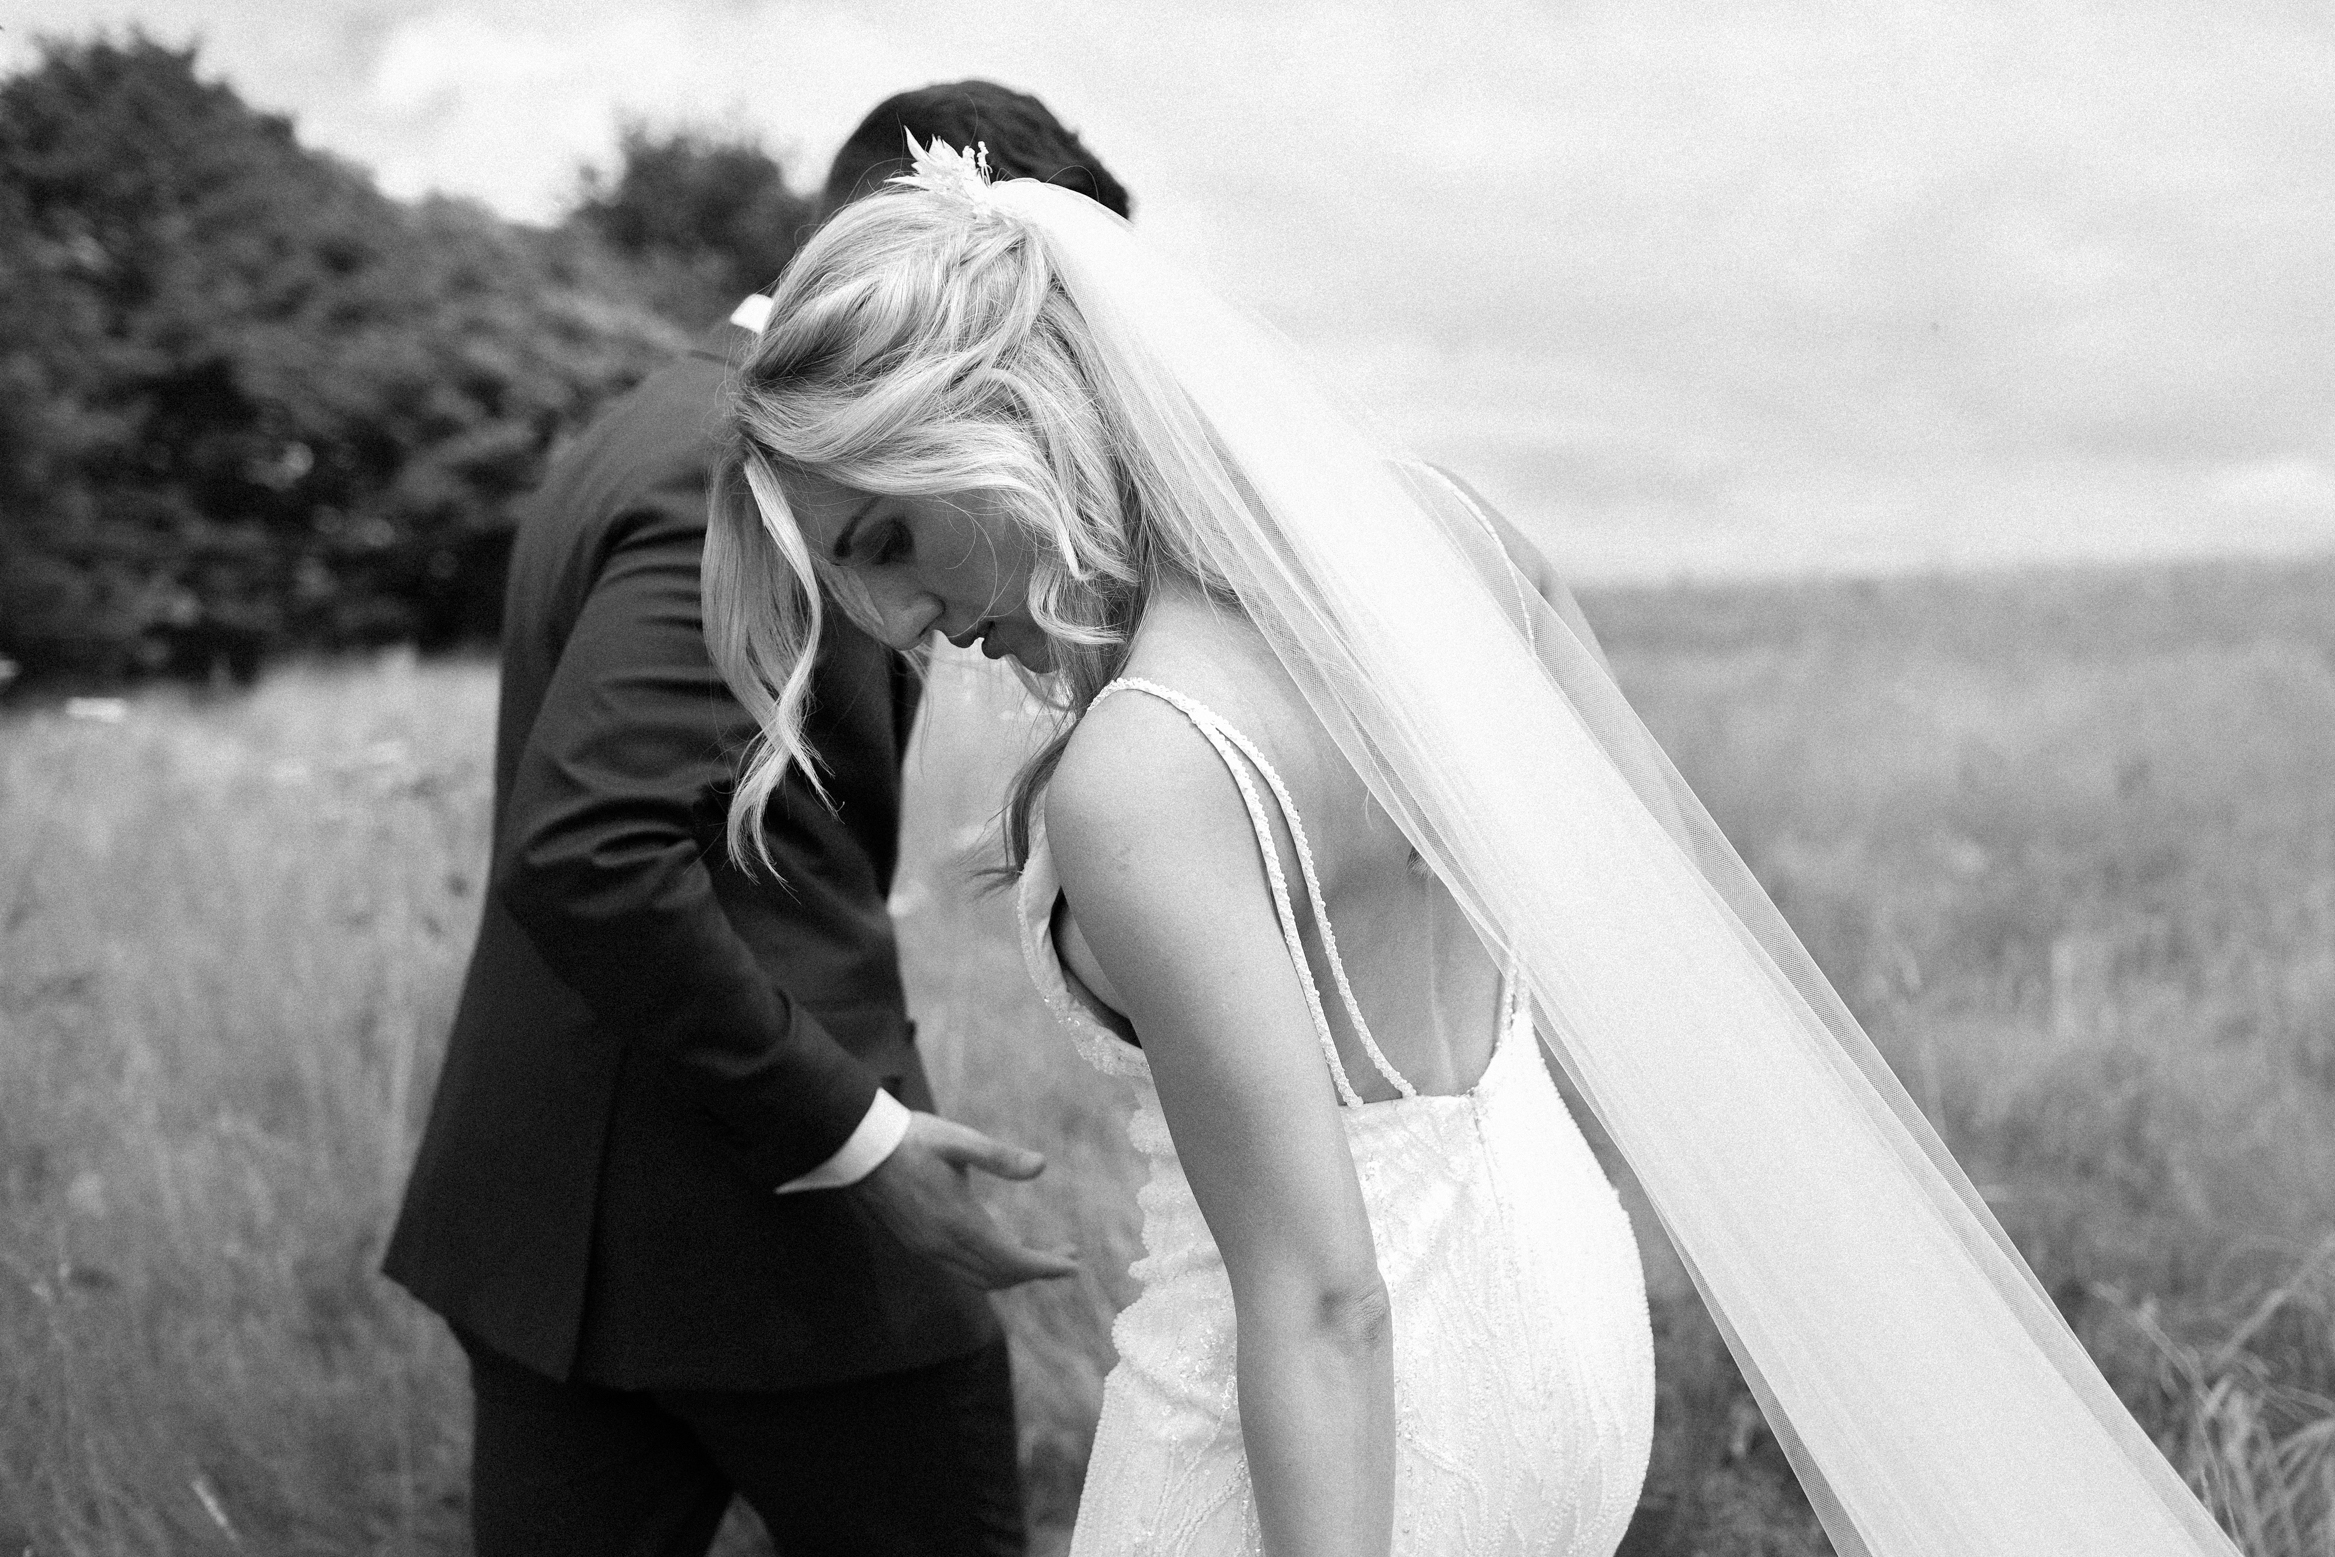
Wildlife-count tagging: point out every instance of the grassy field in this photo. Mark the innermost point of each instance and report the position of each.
(2066, 842)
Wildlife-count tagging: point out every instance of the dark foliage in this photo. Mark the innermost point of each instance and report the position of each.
(247, 402)
(702, 219)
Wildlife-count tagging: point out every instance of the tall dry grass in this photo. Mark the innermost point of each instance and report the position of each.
(2066, 842)
(229, 934)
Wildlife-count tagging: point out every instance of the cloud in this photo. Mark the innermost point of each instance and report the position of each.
(1925, 282)
(2291, 485)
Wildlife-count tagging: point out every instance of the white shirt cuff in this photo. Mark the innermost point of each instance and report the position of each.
(879, 1133)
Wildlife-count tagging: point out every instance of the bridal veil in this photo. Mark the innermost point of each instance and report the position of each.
(1932, 1399)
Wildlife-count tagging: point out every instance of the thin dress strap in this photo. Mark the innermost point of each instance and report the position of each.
(1511, 974)
(1524, 600)
(1226, 740)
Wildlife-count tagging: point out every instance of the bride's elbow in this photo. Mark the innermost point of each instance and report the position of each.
(1356, 1318)
(1302, 1305)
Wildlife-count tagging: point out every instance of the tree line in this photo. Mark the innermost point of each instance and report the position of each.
(251, 405)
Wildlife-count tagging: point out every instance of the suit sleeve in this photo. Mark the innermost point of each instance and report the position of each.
(616, 796)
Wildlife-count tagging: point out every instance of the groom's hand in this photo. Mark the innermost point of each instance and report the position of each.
(923, 1192)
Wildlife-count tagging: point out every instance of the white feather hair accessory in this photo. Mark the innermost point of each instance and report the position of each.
(953, 174)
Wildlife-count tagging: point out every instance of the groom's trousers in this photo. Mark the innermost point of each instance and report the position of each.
(912, 1464)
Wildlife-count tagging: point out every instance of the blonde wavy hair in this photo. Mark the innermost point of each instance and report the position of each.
(920, 345)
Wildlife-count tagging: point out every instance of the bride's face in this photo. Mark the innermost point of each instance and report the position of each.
(946, 563)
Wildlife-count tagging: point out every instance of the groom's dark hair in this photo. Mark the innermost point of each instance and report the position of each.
(1025, 140)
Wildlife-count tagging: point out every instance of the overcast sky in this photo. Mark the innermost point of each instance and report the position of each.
(1688, 287)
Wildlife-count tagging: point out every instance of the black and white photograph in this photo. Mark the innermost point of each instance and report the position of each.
(785, 779)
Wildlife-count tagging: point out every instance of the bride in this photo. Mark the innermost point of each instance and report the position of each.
(1341, 812)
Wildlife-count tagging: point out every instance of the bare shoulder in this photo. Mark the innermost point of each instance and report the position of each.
(1137, 785)
(1130, 755)
(1138, 775)
(1218, 659)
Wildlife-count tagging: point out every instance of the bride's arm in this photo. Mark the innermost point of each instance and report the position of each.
(1532, 565)
(1539, 575)
(1161, 872)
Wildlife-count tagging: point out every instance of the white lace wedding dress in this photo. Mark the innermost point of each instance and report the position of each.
(1523, 1369)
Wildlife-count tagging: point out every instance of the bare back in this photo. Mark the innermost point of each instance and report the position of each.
(1426, 986)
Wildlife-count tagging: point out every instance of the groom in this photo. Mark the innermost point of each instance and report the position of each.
(681, 1195)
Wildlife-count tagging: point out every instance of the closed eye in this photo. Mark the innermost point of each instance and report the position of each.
(891, 545)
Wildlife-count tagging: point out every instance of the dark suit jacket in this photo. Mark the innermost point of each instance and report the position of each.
(649, 1040)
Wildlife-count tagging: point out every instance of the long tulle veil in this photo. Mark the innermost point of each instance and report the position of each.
(1932, 1399)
